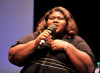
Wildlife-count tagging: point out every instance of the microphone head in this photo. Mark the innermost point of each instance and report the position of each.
(52, 28)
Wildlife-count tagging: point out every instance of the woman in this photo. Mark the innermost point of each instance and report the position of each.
(63, 51)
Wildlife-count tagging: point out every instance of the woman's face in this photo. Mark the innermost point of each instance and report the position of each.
(58, 19)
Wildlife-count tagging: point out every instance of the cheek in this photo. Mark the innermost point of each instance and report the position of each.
(61, 28)
(63, 25)
(49, 22)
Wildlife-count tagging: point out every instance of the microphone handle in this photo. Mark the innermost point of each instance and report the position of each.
(41, 43)
(43, 40)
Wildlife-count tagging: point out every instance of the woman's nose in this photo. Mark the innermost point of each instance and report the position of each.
(55, 21)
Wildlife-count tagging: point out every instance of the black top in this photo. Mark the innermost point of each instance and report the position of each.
(44, 60)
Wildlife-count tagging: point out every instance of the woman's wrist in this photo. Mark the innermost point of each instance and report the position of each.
(66, 44)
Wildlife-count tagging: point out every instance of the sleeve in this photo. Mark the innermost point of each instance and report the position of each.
(25, 39)
(83, 46)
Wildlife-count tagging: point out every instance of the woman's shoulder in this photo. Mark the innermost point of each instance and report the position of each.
(28, 37)
(78, 38)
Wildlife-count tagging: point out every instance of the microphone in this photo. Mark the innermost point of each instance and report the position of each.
(52, 28)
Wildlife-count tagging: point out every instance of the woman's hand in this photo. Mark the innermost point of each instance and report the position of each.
(43, 36)
(57, 44)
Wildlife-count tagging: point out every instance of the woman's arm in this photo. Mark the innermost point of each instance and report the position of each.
(79, 59)
(19, 54)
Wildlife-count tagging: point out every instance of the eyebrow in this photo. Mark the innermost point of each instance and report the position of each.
(56, 16)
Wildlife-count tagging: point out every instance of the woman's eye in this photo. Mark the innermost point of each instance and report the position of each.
(61, 18)
(51, 18)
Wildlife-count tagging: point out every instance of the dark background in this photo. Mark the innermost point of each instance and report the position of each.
(85, 13)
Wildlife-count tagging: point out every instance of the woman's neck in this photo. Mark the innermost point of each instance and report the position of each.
(57, 36)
